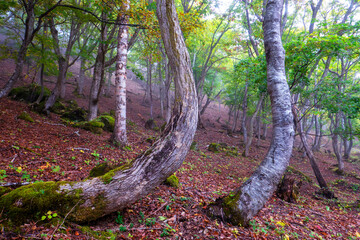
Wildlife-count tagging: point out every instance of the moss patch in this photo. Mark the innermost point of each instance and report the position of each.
(25, 116)
(101, 169)
(172, 181)
(4, 190)
(29, 93)
(33, 201)
(109, 122)
(107, 177)
(226, 209)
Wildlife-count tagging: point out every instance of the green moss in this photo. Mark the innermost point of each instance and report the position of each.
(172, 181)
(58, 108)
(34, 200)
(194, 146)
(92, 126)
(102, 235)
(300, 173)
(29, 93)
(4, 190)
(214, 147)
(109, 122)
(25, 116)
(107, 177)
(93, 212)
(101, 169)
(227, 209)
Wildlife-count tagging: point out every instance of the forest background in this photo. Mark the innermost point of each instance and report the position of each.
(228, 62)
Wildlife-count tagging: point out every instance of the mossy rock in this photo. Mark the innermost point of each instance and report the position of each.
(25, 116)
(109, 122)
(214, 147)
(58, 107)
(29, 93)
(194, 146)
(77, 114)
(151, 124)
(4, 190)
(94, 126)
(34, 200)
(172, 181)
(101, 169)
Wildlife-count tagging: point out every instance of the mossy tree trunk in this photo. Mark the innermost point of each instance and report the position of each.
(246, 201)
(90, 199)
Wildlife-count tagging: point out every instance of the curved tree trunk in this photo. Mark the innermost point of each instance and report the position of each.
(96, 197)
(246, 201)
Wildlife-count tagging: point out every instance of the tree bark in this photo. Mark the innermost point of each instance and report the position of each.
(120, 136)
(246, 201)
(98, 75)
(30, 31)
(250, 131)
(90, 199)
(322, 183)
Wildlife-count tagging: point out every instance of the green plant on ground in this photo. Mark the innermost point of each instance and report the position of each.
(49, 215)
(2, 175)
(96, 155)
(119, 218)
(55, 169)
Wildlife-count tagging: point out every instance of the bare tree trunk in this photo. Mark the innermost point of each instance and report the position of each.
(81, 79)
(244, 113)
(322, 183)
(248, 200)
(335, 140)
(98, 75)
(93, 198)
(250, 132)
(30, 31)
(348, 140)
(120, 136)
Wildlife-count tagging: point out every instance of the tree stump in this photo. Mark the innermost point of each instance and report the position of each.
(289, 189)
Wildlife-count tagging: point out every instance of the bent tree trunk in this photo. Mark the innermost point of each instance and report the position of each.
(96, 197)
(246, 201)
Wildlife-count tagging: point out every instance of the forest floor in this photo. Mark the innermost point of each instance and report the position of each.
(47, 150)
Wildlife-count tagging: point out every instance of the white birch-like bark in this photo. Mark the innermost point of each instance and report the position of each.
(246, 201)
(120, 136)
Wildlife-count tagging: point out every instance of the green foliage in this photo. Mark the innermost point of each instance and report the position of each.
(172, 181)
(26, 117)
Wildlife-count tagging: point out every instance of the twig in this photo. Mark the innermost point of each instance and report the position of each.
(17, 184)
(52, 235)
(84, 149)
(159, 208)
(13, 158)
(55, 124)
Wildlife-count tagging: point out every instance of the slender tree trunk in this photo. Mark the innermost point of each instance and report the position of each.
(250, 132)
(20, 58)
(249, 199)
(98, 76)
(81, 79)
(322, 183)
(120, 135)
(93, 198)
(348, 140)
(335, 141)
(244, 113)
